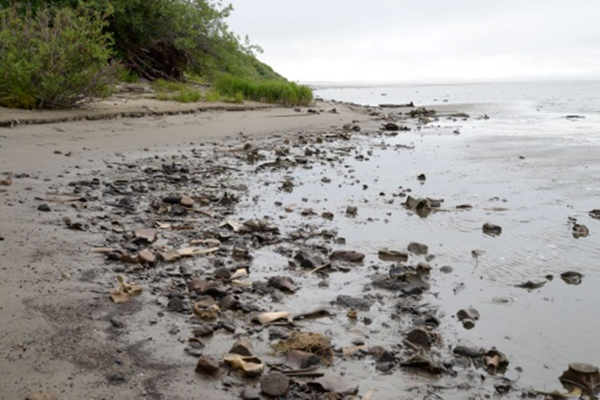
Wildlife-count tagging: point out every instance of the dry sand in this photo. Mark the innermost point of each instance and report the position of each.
(56, 331)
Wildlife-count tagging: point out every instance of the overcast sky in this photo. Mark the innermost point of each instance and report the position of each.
(424, 41)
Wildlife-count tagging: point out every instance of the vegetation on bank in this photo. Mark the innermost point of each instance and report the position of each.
(60, 53)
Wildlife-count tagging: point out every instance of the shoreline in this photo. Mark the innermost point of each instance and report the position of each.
(56, 312)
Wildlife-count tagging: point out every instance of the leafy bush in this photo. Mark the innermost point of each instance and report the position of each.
(57, 58)
(270, 91)
(168, 38)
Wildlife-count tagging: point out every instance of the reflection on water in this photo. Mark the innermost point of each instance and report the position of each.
(528, 181)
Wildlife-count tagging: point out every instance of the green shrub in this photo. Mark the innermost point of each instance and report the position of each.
(269, 91)
(58, 58)
(187, 96)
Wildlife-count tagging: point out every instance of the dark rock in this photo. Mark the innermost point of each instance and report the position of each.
(390, 126)
(275, 384)
(384, 366)
(44, 208)
(242, 347)
(585, 376)
(421, 177)
(175, 305)
(354, 302)
(446, 269)
(491, 229)
(229, 302)
(208, 366)
(468, 312)
(468, 351)
(311, 262)
(283, 283)
(203, 330)
(222, 273)
(347, 255)
(351, 211)
(419, 337)
(571, 277)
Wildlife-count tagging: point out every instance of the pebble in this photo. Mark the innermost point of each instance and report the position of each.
(275, 384)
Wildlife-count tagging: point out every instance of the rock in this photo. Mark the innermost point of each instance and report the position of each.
(354, 302)
(468, 351)
(203, 330)
(146, 257)
(336, 385)
(145, 235)
(417, 248)
(347, 255)
(169, 256)
(422, 177)
(44, 208)
(390, 126)
(595, 214)
(283, 283)
(571, 277)
(311, 262)
(242, 347)
(229, 302)
(222, 273)
(208, 366)
(420, 337)
(423, 361)
(275, 384)
(297, 359)
(42, 396)
(579, 231)
(469, 312)
(495, 361)
(491, 229)
(186, 201)
(530, 285)
(585, 376)
(446, 269)
(392, 255)
(175, 305)
(468, 323)
(250, 393)
(351, 211)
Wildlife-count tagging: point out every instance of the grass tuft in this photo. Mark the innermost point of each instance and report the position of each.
(267, 91)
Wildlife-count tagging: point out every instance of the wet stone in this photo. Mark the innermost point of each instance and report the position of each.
(417, 248)
(347, 255)
(446, 269)
(175, 305)
(571, 277)
(354, 302)
(491, 229)
(469, 312)
(275, 384)
(203, 330)
(419, 337)
(207, 366)
(351, 211)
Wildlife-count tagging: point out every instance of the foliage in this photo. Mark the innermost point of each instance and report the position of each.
(270, 91)
(167, 38)
(56, 58)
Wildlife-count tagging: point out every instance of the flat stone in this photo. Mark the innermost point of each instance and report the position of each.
(419, 337)
(275, 384)
(146, 257)
(169, 256)
(418, 248)
(186, 201)
(347, 255)
(354, 302)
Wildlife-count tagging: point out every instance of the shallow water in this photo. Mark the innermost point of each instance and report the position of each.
(531, 198)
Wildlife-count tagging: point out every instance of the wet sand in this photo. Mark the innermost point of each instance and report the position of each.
(56, 313)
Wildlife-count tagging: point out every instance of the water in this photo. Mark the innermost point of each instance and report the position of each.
(528, 168)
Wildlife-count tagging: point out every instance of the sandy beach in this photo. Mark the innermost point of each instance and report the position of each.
(331, 179)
